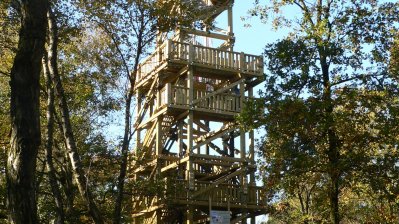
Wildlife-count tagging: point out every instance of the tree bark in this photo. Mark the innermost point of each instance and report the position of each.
(25, 121)
(74, 157)
(123, 169)
(49, 145)
(333, 142)
(127, 132)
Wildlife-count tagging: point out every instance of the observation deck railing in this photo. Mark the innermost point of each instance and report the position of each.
(172, 95)
(213, 58)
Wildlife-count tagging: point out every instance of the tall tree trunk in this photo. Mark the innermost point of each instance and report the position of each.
(124, 152)
(333, 142)
(25, 122)
(127, 132)
(334, 199)
(49, 144)
(74, 157)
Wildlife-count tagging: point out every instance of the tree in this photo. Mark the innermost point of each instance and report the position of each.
(132, 28)
(74, 156)
(9, 26)
(394, 62)
(327, 105)
(25, 122)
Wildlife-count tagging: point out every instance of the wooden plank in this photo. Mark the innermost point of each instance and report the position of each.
(148, 210)
(214, 184)
(210, 162)
(207, 139)
(207, 34)
(205, 203)
(175, 164)
(201, 125)
(221, 90)
(211, 157)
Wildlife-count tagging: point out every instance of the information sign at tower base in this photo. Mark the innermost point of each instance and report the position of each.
(220, 217)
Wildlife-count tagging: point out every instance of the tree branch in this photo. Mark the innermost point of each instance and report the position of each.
(5, 73)
(352, 78)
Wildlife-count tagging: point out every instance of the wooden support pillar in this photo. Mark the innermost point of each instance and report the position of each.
(180, 147)
(158, 137)
(158, 143)
(190, 121)
(199, 148)
(138, 131)
(230, 19)
(243, 176)
(207, 146)
(190, 165)
(230, 27)
(251, 156)
(242, 132)
(190, 137)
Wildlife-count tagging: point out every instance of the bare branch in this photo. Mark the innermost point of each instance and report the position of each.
(5, 73)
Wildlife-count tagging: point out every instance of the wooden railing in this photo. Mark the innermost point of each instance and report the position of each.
(178, 95)
(224, 193)
(178, 51)
(151, 63)
(229, 102)
(186, 53)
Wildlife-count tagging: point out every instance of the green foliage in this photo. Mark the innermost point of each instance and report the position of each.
(394, 62)
(329, 110)
(9, 26)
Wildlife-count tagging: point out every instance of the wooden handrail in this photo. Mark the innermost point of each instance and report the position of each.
(213, 56)
(221, 90)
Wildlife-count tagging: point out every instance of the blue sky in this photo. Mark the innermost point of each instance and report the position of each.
(252, 40)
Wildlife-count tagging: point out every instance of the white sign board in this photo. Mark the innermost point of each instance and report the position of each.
(220, 217)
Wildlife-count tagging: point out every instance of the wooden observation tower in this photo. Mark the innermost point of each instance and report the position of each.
(188, 144)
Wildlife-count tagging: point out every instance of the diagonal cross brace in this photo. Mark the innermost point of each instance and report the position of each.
(219, 181)
(221, 90)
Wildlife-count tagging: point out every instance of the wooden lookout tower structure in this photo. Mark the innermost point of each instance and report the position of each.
(188, 144)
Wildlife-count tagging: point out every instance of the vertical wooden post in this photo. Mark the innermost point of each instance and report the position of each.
(242, 132)
(190, 122)
(190, 127)
(243, 176)
(138, 131)
(198, 148)
(158, 152)
(168, 49)
(230, 26)
(251, 145)
(207, 145)
(158, 143)
(260, 65)
(180, 137)
(242, 62)
(158, 149)
(169, 94)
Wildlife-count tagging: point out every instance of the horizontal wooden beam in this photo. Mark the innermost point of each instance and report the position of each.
(208, 34)
(210, 157)
(211, 162)
(253, 208)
